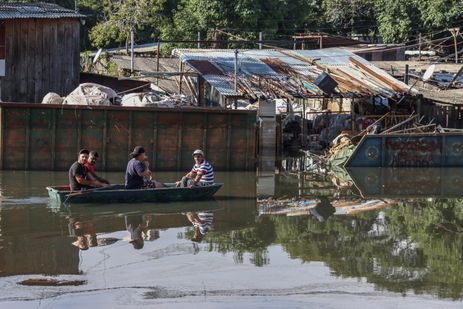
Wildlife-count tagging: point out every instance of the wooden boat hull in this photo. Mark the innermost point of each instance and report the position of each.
(118, 194)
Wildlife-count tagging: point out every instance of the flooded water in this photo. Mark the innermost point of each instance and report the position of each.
(367, 238)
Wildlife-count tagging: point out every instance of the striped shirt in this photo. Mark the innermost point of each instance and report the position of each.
(206, 169)
(207, 218)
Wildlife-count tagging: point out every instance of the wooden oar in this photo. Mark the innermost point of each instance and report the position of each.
(83, 192)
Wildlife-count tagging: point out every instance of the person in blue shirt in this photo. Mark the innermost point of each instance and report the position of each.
(138, 174)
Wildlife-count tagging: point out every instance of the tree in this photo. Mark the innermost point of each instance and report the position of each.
(123, 16)
(437, 14)
(351, 16)
(395, 20)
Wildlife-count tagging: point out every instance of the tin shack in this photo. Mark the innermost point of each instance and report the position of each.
(39, 51)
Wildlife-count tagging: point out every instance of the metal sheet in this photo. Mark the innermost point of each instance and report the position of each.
(35, 10)
(409, 150)
(374, 80)
(48, 137)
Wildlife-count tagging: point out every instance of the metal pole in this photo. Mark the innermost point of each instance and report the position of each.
(199, 40)
(419, 47)
(236, 77)
(157, 60)
(131, 51)
(236, 71)
(181, 77)
(260, 40)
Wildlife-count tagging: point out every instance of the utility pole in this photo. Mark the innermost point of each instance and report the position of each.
(76, 5)
(260, 40)
(199, 39)
(455, 32)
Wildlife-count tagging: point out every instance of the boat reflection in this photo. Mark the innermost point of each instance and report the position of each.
(408, 182)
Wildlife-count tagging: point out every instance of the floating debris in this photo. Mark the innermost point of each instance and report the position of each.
(51, 282)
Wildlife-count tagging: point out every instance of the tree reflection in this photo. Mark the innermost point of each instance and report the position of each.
(416, 246)
(253, 240)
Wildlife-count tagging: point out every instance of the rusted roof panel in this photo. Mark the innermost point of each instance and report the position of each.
(296, 70)
(204, 67)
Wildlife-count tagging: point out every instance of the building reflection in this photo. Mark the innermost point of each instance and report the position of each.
(35, 242)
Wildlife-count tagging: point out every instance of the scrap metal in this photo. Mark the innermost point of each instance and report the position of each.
(290, 73)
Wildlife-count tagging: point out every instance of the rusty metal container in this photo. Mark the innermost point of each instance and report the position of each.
(48, 137)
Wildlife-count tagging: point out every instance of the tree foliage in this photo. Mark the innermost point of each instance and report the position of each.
(109, 22)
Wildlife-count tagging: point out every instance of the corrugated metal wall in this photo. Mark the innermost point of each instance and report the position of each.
(46, 137)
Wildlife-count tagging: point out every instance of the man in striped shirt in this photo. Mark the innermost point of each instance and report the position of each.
(202, 223)
(202, 173)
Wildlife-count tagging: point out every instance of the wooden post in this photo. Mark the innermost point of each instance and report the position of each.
(419, 101)
(406, 74)
(455, 32)
(352, 115)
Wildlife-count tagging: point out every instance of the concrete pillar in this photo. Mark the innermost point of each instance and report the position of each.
(267, 135)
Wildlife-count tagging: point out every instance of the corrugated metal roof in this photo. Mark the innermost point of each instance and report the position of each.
(35, 10)
(223, 84)
(294, 71)
(204, 67)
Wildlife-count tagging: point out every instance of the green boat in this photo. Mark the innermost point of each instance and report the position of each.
(118, 194)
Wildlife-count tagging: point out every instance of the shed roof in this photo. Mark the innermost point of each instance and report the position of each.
(18, 10)
(283, 73)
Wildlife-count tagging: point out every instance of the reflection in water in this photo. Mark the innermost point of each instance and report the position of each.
(400, 245)
(139, 230)
(202, 224)
(84, 234)
(408, 182)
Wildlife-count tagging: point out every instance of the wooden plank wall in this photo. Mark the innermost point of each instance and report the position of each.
(42, 55)
(450, 116)
(47, 137)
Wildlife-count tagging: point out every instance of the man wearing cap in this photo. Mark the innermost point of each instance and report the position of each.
(138, 171)
(202, 173)
(93, 157)
(79, 177)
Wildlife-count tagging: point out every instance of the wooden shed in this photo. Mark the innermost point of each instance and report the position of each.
(39, 51)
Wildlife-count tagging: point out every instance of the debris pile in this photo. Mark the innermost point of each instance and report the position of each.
(342, 147)
(155, 99)
(320, 208)
(92, 94)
